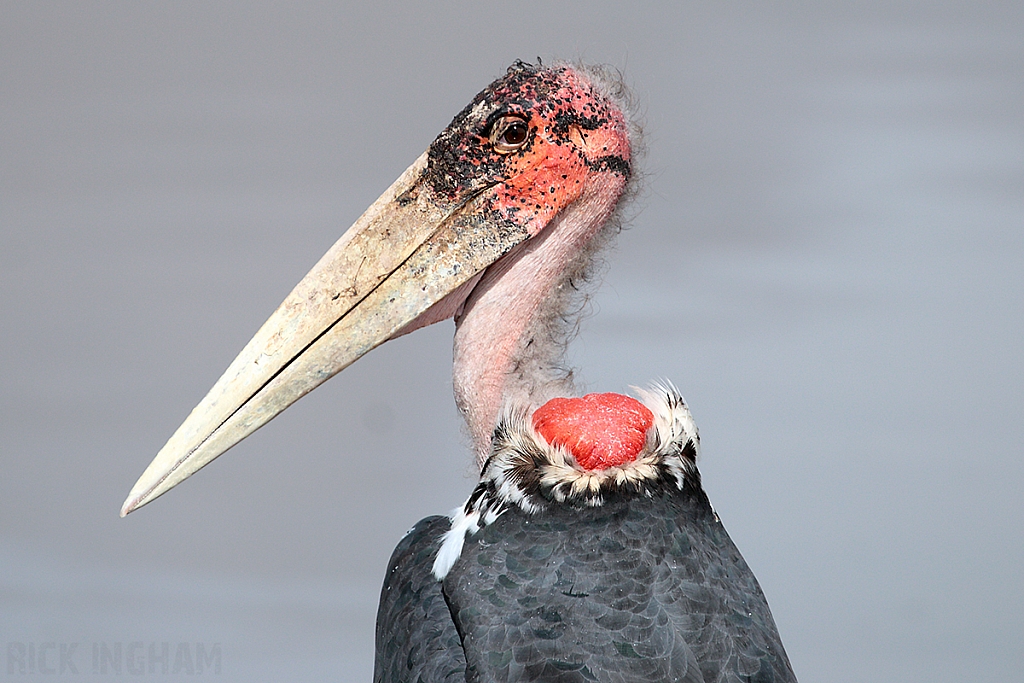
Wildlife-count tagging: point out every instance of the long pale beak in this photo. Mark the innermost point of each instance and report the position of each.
(407, 252)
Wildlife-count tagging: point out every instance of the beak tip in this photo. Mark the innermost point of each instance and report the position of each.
(135, 500)
(129, 506)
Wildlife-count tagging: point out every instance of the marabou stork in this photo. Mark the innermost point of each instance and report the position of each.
(589, 550)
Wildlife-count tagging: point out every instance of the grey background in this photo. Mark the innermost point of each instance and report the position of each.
(828, 261)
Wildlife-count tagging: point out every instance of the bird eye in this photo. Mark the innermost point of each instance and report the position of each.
(508, 134)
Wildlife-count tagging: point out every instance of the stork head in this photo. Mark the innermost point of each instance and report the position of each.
(485, 226)
(537, 139)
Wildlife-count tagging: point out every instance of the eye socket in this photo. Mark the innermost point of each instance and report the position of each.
(508, 134)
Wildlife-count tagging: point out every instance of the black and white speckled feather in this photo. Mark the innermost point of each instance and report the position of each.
(527, 472)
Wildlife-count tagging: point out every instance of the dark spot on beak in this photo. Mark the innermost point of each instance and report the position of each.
(407, 197)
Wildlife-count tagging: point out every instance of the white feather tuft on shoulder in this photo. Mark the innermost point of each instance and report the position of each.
(463, 524)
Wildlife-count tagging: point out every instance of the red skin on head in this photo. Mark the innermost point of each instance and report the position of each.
(576, 133)
(600, 430)
(552, 172)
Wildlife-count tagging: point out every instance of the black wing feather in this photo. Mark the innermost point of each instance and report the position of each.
(416, 639)
(638, 589)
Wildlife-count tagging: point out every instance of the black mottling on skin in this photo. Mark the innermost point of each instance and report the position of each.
(615, 164)
(462, 162)
(566, 119)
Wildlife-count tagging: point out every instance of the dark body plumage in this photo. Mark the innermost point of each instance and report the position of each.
(641, 588)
